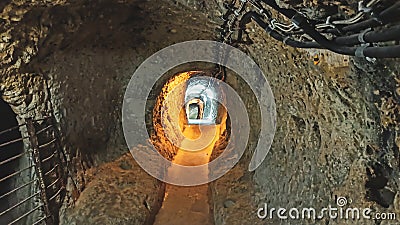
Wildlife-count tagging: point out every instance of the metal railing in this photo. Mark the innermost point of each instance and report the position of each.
(33, 173)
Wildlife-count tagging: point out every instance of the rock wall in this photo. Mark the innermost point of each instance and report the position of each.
(329, 143)
(167, 116)
(335, 138)
(118, 192)
(74, 59)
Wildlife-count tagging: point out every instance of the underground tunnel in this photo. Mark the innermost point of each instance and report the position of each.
(200, 123)
(66, 66)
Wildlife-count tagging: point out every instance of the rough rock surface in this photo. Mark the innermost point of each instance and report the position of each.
(337, 135)
(75, 59)
(119, 192)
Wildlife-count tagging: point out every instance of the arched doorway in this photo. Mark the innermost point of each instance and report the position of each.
(194, 109)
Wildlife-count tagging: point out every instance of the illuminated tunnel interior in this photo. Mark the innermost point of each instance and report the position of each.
(331, 68)
(198, 120)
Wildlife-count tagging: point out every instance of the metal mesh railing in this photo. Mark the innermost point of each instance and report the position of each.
(32, 173)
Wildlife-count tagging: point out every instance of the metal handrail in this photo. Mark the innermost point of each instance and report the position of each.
(13, 158)
(49, 157)
(57, 193)
(15, 173)
(18, 204)
(40, 220)
(44, 129)
(47, 144)
(51, 170)
(18, 188)
(25, 214)
(41, 178)
(13, 141)
(53, 183)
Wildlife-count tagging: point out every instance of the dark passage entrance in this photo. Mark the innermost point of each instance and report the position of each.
(11, 150)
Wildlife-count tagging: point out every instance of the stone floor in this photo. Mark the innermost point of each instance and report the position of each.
(189, 205)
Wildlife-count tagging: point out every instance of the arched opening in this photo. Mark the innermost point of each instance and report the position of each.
(11, 150)
(195, 109)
